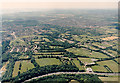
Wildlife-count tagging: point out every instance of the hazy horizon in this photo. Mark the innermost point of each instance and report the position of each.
(59, 5)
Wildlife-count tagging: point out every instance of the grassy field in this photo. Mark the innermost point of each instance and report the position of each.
(77, 63)
(36, 56)
(32, 36)
(74, 81)
(112, 52)
(101, 45)
(109, 38)
(85, 52)
(79, 51)
(111, 64)
(47, 40)
(18, 42)
(48, 53)
(75, 37)
(4, 67)
(98, 55)
(48, 61)
(23, 57)
(55, 47)
(26, 65)
(86, 60)
(113, 78)
(99, 68)
(16, 68)
(117, 59)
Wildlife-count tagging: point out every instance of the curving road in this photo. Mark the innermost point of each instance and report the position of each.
(58, 73)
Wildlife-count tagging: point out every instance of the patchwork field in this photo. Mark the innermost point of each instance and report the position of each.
(85, 52)
(77, 63)
(79, 51)
(98, 55)
(48, 61)
(16, 69)
(18, 42)
(75, 41)
(86, 60)
(99, 68)
(25, 65)
(110, 38)
(111, 64)
(110, 79)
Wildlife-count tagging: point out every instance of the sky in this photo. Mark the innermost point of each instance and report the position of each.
(59, 0)
(58, 4)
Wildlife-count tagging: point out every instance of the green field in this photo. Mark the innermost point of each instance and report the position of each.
(98, 55)
(79, 51)
(85, 60)
(118, 60)
(77, 63)
(113, 52)
(16, 68)
(48, 61)
(85, 52)
(99, 68)
(32, 36)
(74, 81)
(110, 79)
(47, 40)
(36, 56)
(23, 57)
(56, 47)
(111, 64)
(26, 65)
(18, 42)
(49, 53)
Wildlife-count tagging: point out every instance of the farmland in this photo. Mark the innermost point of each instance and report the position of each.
(60, 42)
(25, 65)
(48, 61)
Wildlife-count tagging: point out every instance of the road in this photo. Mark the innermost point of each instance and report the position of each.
(58, 73)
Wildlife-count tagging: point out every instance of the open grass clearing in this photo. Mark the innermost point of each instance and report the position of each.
(86, 52)
(79, 51)
(111, 64)
(23, 57)
(46, 39)
(36, 56)
(118, 60)
(112, 52)
(98, 55)
(109, 79)
(99, 68)
(17, 42)
(49, 53)
(77, 63)
(110, 38)
(85, 60)
(26, 65)
(48, 61)
(56, 47)
(16, 68)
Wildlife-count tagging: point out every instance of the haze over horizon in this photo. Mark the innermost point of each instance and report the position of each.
(23, 5)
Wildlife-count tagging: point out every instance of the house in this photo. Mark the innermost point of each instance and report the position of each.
(89, 70)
